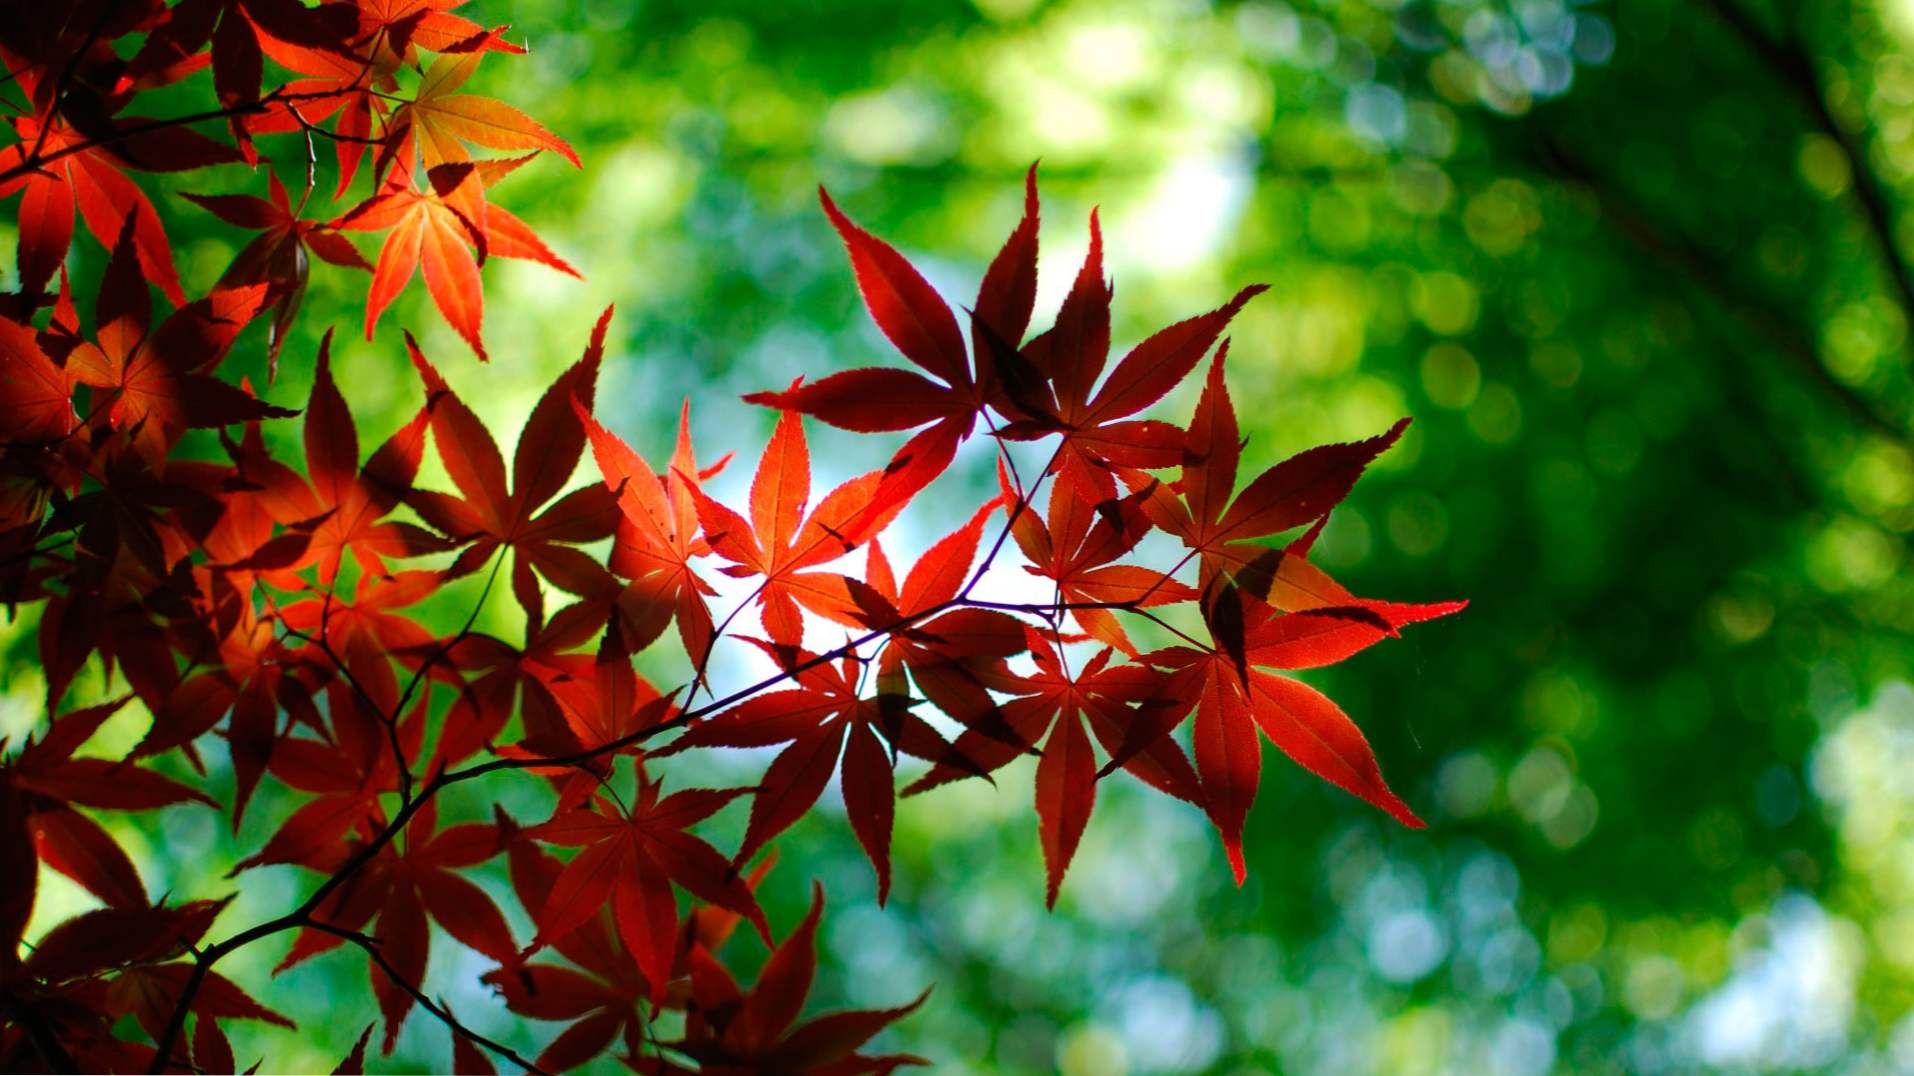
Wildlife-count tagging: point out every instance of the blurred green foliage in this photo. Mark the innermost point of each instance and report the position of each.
(1632, 266)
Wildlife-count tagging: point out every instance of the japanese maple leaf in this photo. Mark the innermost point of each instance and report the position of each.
(278, 257)
(734, 1032)
(1044, 387)
(347, 503)
(781, 542)
(96, 967)
(517, 681)
(148, 993)
(935, 581)
(347, 774)
(1075, 547)
(629, 860)
(613, 1000)
(367, 626)
(609, 998)
(1097, 421)
(357, 85)
(110, 938)
(123, 580)
(255, 678)
(246, 542)
(36, 396)
(430, 232)
(156, 385)
(1297, 491)
(93, 180)
(822, 719)
(1055, 707)
(140, 511)
(347, 89)
(1233, 699)
(952, 655)
(438, 121)
(506, 236)
(234, 29)
(43, 40)
(398, 28)
(657, 538)
(402, 885)
(435, 232)
(47, 782)
(493, 517)
(603, 704)
(921, 326)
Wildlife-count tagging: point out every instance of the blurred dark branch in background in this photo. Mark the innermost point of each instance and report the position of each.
(1787, 57)
(1714, 277)
(1682, 259)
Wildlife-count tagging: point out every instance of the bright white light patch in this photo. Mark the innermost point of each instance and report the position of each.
(1185, 217)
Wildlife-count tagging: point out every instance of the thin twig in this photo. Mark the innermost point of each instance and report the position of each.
(372, 950)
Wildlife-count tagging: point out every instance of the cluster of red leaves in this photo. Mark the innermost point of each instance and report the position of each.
(78, 143)
(280, 605)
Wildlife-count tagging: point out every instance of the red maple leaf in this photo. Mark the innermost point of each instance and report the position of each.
(401, 886)
(347, 773)
(63, 168)
(519, 681)
(344, 505)
(156, 385)
(781, 543)
(921, 326)
(602, 702)
(438, 121)
(1223, 532)
(728, 1030)
(1233, 699)
(398, 28)
(825, 717)
(36, 396)
(629, 860)
(45, 782)
(234, 29)
(657, 538)
(490, 516)
(1054, 708)
(444, 231)
(1075, 546)
(278, 257)
(951, 656)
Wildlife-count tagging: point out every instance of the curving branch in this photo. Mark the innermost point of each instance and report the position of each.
(372, 950)
(1787, 57)
(302, 916)
(1715, 278)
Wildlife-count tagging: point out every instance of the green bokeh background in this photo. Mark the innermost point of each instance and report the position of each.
(1615, 261)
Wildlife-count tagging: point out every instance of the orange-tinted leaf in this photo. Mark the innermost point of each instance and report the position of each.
(782, 485)
(1320, 737)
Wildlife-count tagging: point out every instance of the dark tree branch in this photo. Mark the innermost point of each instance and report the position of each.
(1789, 60)
(372, 950)
(1716, 279)
(36, 162)
(302, 916)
